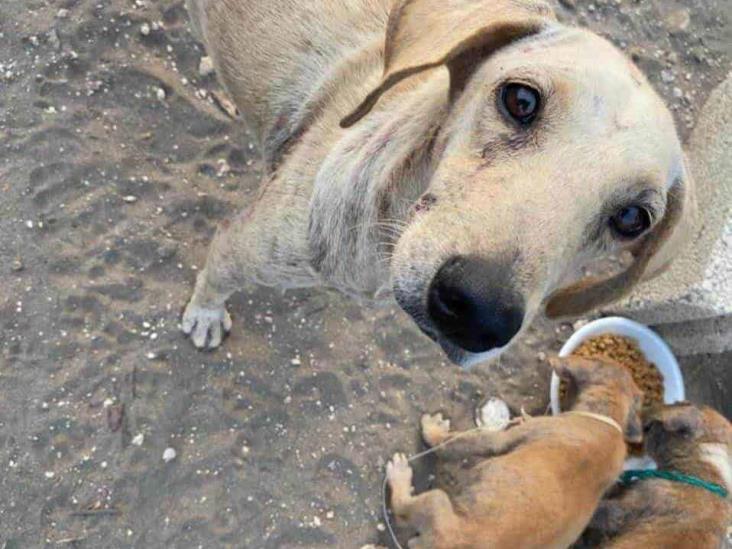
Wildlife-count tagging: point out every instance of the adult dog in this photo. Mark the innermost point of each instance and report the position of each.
(468, 156)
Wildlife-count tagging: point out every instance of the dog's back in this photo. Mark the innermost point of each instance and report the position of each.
(556, 477)
(670, 515)
(273, 56)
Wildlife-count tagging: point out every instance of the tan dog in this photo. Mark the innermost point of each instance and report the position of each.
(535, 485)
(661, 514)
(467, 157)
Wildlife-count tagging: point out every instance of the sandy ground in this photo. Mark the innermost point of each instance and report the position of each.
(116, 164)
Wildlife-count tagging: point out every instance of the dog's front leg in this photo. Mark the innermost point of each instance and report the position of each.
(454, 446)
(205, 318)
(265, 244)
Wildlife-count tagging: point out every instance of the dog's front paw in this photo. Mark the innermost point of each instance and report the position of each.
(206, 327)
(399, 472)
(435, 429)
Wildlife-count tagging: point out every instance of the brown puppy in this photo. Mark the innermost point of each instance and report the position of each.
(658, 513)
(534, 485)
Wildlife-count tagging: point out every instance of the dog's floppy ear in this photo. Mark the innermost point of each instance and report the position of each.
(570, 369)
(652, 257)
(683, 422)
(423, 34)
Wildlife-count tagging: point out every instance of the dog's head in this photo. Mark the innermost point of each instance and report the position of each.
(608, 385)
(682, 429)
(554, 152)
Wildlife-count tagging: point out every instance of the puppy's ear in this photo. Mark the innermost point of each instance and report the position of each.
(654, 254)
(634, 425)
(423, 34)
(684, 423)
(569, 369)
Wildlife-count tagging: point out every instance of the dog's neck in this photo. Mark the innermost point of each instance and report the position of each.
(604, 403)
(368, 184)
(709, 461)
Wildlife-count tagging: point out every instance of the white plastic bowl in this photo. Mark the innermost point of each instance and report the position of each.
(653, 347)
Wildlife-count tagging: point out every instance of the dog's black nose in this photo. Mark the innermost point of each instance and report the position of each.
(472, 304)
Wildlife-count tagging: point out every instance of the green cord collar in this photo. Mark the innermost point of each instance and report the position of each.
(629, 477)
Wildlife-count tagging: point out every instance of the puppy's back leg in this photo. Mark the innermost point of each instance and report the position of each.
(265, 244)
(431, 513)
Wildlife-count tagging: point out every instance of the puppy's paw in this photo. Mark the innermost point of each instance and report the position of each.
(206, 327)
(435, 429)
(494, 415)
(399, 472)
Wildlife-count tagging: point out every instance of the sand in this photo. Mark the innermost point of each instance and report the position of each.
(116, 164)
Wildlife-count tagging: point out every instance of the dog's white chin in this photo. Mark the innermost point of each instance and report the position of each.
(473, 359)
(467, 360)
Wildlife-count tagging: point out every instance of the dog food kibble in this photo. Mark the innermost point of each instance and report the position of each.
(625, 351)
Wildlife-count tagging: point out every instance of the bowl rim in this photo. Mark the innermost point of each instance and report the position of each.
(673, 380)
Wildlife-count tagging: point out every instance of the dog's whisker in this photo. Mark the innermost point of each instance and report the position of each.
(395, 224)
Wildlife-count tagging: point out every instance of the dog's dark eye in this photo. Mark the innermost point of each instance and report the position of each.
(521, 102)
(631, 222)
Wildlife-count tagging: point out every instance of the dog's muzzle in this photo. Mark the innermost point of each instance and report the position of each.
(472, 310)
(472, 305)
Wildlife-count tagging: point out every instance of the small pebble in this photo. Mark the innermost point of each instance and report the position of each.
(678, 20)
(129, 198)
(145, 29)
(160, 94)
(169, 455)
(138, 439)
(668, 76)
(206, 66)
